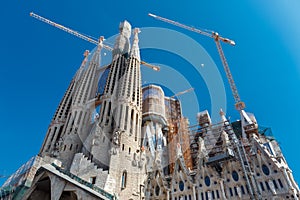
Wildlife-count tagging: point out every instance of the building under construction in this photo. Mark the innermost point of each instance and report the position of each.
(112, 138)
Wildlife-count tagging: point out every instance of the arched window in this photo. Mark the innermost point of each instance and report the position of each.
(157, 190)
(124, 180)
(109, 109)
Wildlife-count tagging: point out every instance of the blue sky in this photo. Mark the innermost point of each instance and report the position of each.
(38, 61)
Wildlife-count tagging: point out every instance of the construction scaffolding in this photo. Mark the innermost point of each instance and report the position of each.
(184, 140)
(212, 144)
(178, 133)
(218, 148)
(173, 115)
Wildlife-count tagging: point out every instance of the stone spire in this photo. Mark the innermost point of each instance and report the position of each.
(135, 50)
(76, 128)
(222, 115)
(122, 43)
(121, 115)
(50, 145)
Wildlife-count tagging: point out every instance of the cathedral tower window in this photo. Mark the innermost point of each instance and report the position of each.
(157, 190)
(280, 183)
(275, 184)
(79, 118)
(217, 193)
(230, 191)
(235, 191)
(55, 128)
(60, 131)
(267, 184)
(206, 195)
(93, 180)
(124, 180)
(103, 111)
(136, 129)
(242, 189)
(262, 186)
(109, 109)
(126, 118)
(131, 123)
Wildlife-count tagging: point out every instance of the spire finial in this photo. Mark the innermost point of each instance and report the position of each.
(101, 39)
(137, 31)
(86, 53)
(100, 43)
(222, 112)
(135, 52)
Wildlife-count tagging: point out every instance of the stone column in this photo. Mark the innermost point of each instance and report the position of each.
(222, 188)
(287, 178)
(194, 191)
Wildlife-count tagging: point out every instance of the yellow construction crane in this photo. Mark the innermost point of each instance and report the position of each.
(239, 105)
(182, 92)
(83, 36)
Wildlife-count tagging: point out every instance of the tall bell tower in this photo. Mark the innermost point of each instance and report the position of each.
(115, 144)
(126, 163)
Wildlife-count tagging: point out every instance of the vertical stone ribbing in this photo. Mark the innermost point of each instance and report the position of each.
(76, 129)
(128, 112)
(55, 129)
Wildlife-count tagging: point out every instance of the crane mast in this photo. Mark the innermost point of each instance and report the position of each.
(83, 36)
(239, 105)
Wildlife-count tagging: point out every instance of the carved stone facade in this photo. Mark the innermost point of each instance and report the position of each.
(219, 162)
(118, 140)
